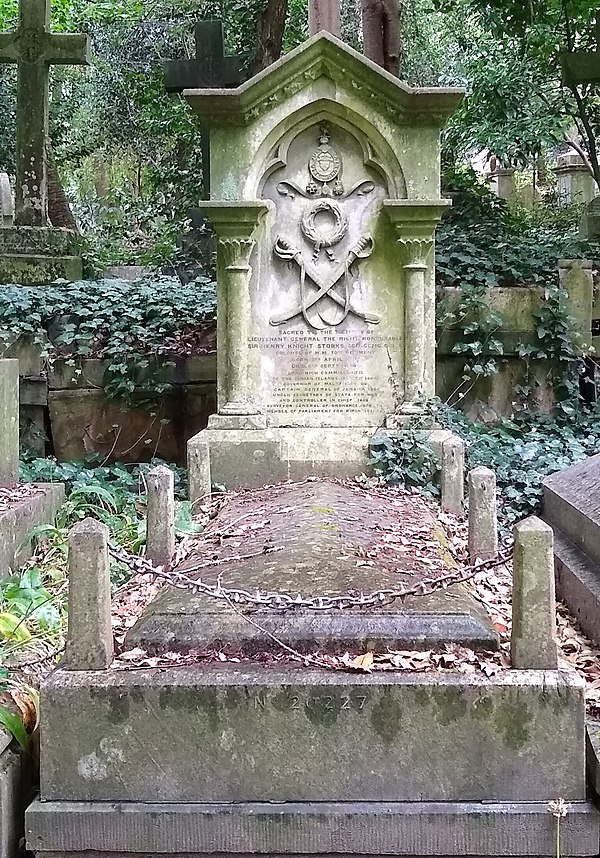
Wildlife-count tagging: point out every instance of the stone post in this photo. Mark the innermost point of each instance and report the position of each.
(89, 636)
(504, 185)
(235, 258)
(160, 519)
(199, 477)
(483, 521)
(324, 15)
(9, 421)
(452, 475)
(7, 208)
(574, 182)
(577, 279)
(235, 225)
(533, 638)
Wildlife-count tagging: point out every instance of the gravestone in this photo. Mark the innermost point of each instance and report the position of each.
(325, 194)
(31, 251)
(589, 225)
(7, 206)
(572, 506)
(209, 68)
(574, 182)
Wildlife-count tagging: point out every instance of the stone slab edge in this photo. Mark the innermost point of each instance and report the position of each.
(592, 754)
(578, 584)
(414, 828)
(12, 803)
(18, 522)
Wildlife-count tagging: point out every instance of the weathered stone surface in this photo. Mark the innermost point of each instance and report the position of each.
(325, 250)
(14, 773)
(533, 636)
(571, 503)
(16, 524)
(578, 585)
(7, 207)
(34, 48)
(198, 464)
(576, 278)
(414, 829)
(160, 521)
(36, 270)
(316, 538)
(249, 734)
(592, 753)
(483, 521)
(574, 182)
(89, 636)
(452, 478)
(324, 15)
(9, 421)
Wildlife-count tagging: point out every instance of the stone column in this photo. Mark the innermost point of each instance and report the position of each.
(533, 637)
(414, 222)
(89, 635)
(574, 182)
(235, 264)
(198, 462)
(504, 186)
(235, 225)
(160, 518)
(7, 208)
(483, 517)
(9, 421)
(577, 279)
(415, 269)
(324, 15)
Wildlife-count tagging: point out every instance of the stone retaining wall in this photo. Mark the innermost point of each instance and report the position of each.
(68, 406)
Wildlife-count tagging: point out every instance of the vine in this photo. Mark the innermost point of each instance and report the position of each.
(137, 328)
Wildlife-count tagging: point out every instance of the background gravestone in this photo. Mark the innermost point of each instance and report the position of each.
(7, 206)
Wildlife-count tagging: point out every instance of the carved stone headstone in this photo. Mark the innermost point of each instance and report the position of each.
(33, 48)
(325, 198)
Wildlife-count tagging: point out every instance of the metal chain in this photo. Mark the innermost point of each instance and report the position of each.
(284, 601)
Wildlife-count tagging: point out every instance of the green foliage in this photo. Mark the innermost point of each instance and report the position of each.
(405, 459)
(135, 327)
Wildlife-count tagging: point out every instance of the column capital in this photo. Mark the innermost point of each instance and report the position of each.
(415, 251)
(234, 220)
(414, 222)
(236, 252)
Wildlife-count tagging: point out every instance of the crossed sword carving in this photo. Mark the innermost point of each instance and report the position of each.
(325, 285)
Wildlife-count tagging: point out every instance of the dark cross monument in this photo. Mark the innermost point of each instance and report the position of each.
(209, 69)
(34, 48)
(582, 67)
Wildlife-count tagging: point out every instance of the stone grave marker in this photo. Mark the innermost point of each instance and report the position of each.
(324, 263)
(7, 206)
(209, 68)
(31, 251)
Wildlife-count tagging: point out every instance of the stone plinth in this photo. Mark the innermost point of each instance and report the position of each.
(246, 733)
(574, 181)
(38, 255)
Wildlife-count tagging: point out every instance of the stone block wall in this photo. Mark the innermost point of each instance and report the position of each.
(68, 406)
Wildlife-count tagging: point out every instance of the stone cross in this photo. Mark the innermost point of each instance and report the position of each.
(324, 15)
(34, 48)
(209, 69)
(581, 67)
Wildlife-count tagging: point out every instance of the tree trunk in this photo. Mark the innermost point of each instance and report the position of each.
(270, 26)
(381, 33)
(59, 210)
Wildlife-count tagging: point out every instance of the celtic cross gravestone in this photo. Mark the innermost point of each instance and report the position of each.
(34, 48)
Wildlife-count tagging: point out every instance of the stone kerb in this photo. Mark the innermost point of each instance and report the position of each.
(533, 637)
(89, 636)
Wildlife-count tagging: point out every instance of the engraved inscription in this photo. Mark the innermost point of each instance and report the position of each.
(285, 702)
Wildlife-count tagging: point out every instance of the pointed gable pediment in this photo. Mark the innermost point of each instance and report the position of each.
(324, 56)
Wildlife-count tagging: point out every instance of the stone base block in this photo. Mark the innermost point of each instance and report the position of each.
(414, 829)
(249, 458)
(37, 269)
(19, 520)
(250, 733)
